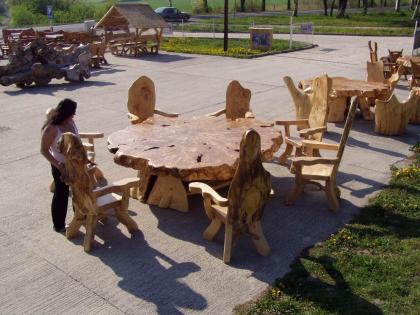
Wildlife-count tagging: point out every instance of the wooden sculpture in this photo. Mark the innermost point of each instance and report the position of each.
(98, 54)
(237, 102)
(315, 124)
(373, 51)
(142, 100)
(392, 116)
(415, 117)
(301, 100)
(90, 204)
(242, 211)
(315, 169)
(39, 63)
(415, 76)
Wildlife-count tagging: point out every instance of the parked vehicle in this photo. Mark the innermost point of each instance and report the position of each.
(172, 14)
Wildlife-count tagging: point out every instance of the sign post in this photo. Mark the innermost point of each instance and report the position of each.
(50, 14)
(416, 39)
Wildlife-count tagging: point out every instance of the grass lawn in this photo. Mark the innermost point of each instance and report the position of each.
(238, 48)
(371, 266)
(375, 23)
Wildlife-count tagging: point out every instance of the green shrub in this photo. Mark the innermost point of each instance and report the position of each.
(22, 16)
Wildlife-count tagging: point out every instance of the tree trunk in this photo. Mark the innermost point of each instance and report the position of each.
(295, 10)
(365, 6)
(263, 5)
(205, 5)
(416, 10)
(170, 3)
(326, 7)
(397, 5)
(385, 4)
(242, 9)
(358, 4)
(342, 5)
(332, 7)
(289, 6)
(371, 3)
(413, 4)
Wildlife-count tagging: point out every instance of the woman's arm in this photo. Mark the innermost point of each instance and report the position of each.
(47, 138)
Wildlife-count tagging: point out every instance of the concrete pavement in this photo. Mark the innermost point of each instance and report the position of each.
(168, 268)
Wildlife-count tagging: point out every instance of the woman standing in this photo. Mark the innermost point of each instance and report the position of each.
(59, 120)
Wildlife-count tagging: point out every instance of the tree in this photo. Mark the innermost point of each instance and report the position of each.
(416, 10)
(206, 6)
(325, 7)
(289, 6)
(262, 5)
(242, 9)
(332, 7)
(397, 5)
(365, 6)
(342, 5)
(295, 10)
(170, 3)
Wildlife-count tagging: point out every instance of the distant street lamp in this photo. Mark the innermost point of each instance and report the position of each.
(225, 30)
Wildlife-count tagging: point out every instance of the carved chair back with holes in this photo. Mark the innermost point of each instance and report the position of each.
(142, 98)
(394, 55)
(237, 100)
(373, 51)
(251, 184)
(321, 87)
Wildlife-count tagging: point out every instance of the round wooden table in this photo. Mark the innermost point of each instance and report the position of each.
(170, 152)
(344, 88)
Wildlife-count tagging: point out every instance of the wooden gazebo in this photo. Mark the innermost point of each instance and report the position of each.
(139, 16)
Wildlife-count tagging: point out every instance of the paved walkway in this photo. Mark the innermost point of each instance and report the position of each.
(169, 268)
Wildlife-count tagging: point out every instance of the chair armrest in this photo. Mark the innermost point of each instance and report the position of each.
(310, 131)
(118, 186)
(159, 112)
(309, 160)
(292, 122)
(91, 135)
(218, 113)
(207, 191)
(313, 144)
(133, 118)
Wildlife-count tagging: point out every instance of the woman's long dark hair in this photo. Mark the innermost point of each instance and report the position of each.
(65, 109)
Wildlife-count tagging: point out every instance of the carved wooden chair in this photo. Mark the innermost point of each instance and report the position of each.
(415, 76)
(237, 102)
(89, 145)
(393, 116)
(142, 100)
(90, 204)
(315, 124)
(98, 54)
(242, 210)
(324, 169)
(373, 52)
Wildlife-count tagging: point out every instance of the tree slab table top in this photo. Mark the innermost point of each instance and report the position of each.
(405, 61)
(171, 152)
(344, 88)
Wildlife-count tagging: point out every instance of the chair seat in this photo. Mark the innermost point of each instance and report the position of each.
(108, 201)
(319, 171)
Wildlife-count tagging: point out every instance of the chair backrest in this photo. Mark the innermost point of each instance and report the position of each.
(415, 68)
(77, 175)
(321, 88)
(251, 184)
(300, 99)
(392, 81)
(237, 100)
(394, 55)
(142, 98)
(373, 51)
(347, 127)
(375, 71)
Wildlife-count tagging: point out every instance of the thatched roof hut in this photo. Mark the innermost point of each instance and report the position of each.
(132, 15)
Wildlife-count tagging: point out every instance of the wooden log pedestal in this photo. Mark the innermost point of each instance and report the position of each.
(171, 152)
(343, 89)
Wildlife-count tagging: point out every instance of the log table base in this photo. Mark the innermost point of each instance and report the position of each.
(171, 152)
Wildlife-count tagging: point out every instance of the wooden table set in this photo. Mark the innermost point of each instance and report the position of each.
(171, 152)
(343, 89)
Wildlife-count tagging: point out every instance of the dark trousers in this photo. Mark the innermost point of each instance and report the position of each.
(60, 200)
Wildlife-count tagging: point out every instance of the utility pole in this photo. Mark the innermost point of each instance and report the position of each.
(225, 30)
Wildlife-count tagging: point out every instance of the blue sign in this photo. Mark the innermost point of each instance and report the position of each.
(306, 28)
(50, 12)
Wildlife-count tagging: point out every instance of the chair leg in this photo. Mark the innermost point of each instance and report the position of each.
(124, 218)
(287, 152)
(211, 231)
(75, 224)
(90, 232)
(227, 249)
(331, 193)
(260, 242)
(295, 192)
